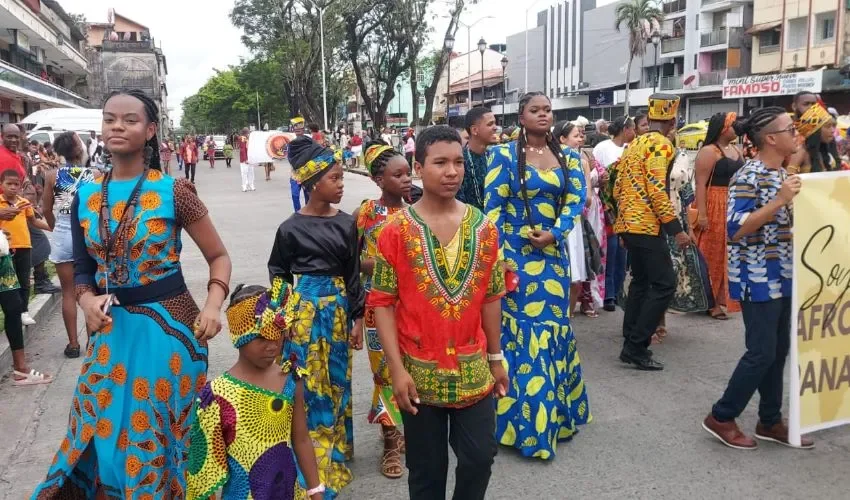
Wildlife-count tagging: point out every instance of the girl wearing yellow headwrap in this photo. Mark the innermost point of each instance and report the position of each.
(816, 129)
(391, 172)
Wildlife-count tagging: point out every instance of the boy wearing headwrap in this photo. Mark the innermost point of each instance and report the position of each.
(251, 419)
(644, 211)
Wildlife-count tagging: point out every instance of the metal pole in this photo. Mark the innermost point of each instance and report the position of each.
(504, 95)
(655, 80)
(448, 86)
(259, 125)
(482, 78)
(469, 68)
(525, 87)
(324, 82)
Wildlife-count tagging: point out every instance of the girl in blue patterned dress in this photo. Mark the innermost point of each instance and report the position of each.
(535, 192)
(131, 412)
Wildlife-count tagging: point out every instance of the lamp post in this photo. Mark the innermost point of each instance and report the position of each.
(398, 96)
(527, 10)
(656, 39)
(469, 53)
(482, 46)
(504, 87)
(449, 44)
(324, 78)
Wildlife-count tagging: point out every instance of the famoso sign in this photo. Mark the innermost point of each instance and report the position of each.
(772, 85)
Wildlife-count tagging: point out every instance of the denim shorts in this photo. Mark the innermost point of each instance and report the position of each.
(62, 246)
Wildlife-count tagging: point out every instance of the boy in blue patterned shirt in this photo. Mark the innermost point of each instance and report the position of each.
(761, 260)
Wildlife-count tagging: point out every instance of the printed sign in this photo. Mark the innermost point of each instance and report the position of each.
(771, 85)
(820, 347)
(268, 146)
(598, 98)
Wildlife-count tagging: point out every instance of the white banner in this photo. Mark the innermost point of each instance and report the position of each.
(268, 146)
(772, 85)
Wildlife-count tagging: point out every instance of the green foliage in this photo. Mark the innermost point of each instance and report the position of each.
(641, 18)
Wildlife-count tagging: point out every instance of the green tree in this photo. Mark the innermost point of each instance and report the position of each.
(641, 18)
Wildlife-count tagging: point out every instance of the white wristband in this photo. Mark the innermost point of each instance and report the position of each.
(495, 357)
(318, 489)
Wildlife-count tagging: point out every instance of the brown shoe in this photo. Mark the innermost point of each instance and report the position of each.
(778, 433)
(728, 433)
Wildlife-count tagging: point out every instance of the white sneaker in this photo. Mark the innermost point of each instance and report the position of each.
(26, 319)
(253, 188)
(244, 189)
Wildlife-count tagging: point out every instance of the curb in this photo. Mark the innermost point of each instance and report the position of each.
(40, 307)
(357, 171)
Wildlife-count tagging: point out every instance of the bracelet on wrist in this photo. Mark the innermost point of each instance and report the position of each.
(495, 357)
(318, 489)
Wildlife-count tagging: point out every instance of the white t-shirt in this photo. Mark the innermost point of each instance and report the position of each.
(606, 152)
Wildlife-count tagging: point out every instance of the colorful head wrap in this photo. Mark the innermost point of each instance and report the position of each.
(310, 161)
(259, 316)
(730, 119)
(297, 124)
(812, 120)
(663, 107)
(372, 154)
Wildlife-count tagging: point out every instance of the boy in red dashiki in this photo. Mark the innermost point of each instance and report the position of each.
(391, 172)
(436, 291)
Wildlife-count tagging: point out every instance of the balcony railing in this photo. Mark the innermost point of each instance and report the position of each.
(709, 78)
(670, 82)
(21, 78)
(717, 36)
(707, 2)
(675, 6)
(768, 49)
(672, 44)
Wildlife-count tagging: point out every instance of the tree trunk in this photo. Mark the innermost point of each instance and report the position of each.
(628, 84)
(445, 58)
(414, 93)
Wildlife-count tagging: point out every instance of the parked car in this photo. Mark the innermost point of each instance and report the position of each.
(219, 146)
(692, 135)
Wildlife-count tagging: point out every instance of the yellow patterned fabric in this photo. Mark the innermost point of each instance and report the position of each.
(812, 120)
(240, 441)
(373, 153)
(259, 316)
(313, 168)
(663, 107)
(641, 187)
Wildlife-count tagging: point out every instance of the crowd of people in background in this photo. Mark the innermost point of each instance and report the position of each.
(462, 287)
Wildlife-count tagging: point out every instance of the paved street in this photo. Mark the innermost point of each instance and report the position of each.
(645, 440)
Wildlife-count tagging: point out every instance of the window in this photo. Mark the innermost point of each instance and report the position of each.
(768, 40)
(41, 138)
(825, 27)
(797, 33)
(718, 61)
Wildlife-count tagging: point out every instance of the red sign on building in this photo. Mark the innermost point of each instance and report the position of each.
(35, 5)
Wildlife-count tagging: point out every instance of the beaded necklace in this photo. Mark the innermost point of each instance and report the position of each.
(118, 240)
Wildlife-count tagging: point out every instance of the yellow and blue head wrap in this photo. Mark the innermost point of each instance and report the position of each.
(261, 315)
(310, 160)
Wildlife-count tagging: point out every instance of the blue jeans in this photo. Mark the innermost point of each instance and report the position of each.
(615, 268)
(296, 194)
(767, 334)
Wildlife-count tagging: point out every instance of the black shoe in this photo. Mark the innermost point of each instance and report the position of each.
(645, 363)
(46, 288)
(609, 306)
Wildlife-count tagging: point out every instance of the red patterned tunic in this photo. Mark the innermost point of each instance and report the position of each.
(438, 298)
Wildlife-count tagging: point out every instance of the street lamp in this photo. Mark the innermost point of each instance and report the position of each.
(504, 87)
(482, 46)
(449, 44)
(469, 52)
(656, 39)
(398, 96)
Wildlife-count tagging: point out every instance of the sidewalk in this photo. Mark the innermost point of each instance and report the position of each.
(40, 308)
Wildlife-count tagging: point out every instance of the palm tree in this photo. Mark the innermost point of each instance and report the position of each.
(641, 18)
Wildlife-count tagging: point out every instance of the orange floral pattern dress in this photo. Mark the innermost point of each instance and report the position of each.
(131, 414)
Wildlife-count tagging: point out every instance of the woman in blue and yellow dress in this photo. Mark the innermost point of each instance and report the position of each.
(535, 192)
(128, 433)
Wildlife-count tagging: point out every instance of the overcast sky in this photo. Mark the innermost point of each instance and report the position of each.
(197, 36)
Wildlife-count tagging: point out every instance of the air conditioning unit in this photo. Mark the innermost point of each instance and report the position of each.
(690, 80)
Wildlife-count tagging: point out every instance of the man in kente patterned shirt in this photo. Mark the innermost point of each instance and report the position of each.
(644, 210)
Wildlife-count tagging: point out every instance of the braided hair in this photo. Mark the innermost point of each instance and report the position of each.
(754, 125)
(715, 128)
(152, 113)
(376, 168)
(820, 152)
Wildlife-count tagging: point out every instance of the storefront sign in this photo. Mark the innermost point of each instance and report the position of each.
(599, 98)
(820, 333)
(772, 85)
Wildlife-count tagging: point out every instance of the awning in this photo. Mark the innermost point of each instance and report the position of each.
(758, 28)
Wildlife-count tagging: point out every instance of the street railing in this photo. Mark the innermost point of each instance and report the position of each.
(675, 6)
(672, 44)
(711, 78)
(670, 82)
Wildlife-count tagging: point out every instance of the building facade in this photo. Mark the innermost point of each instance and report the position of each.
(124, 56)
(41, 59)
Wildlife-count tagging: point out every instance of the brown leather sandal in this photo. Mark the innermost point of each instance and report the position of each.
(391, 466)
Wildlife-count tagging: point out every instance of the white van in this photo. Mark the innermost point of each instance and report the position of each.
(81, 121)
